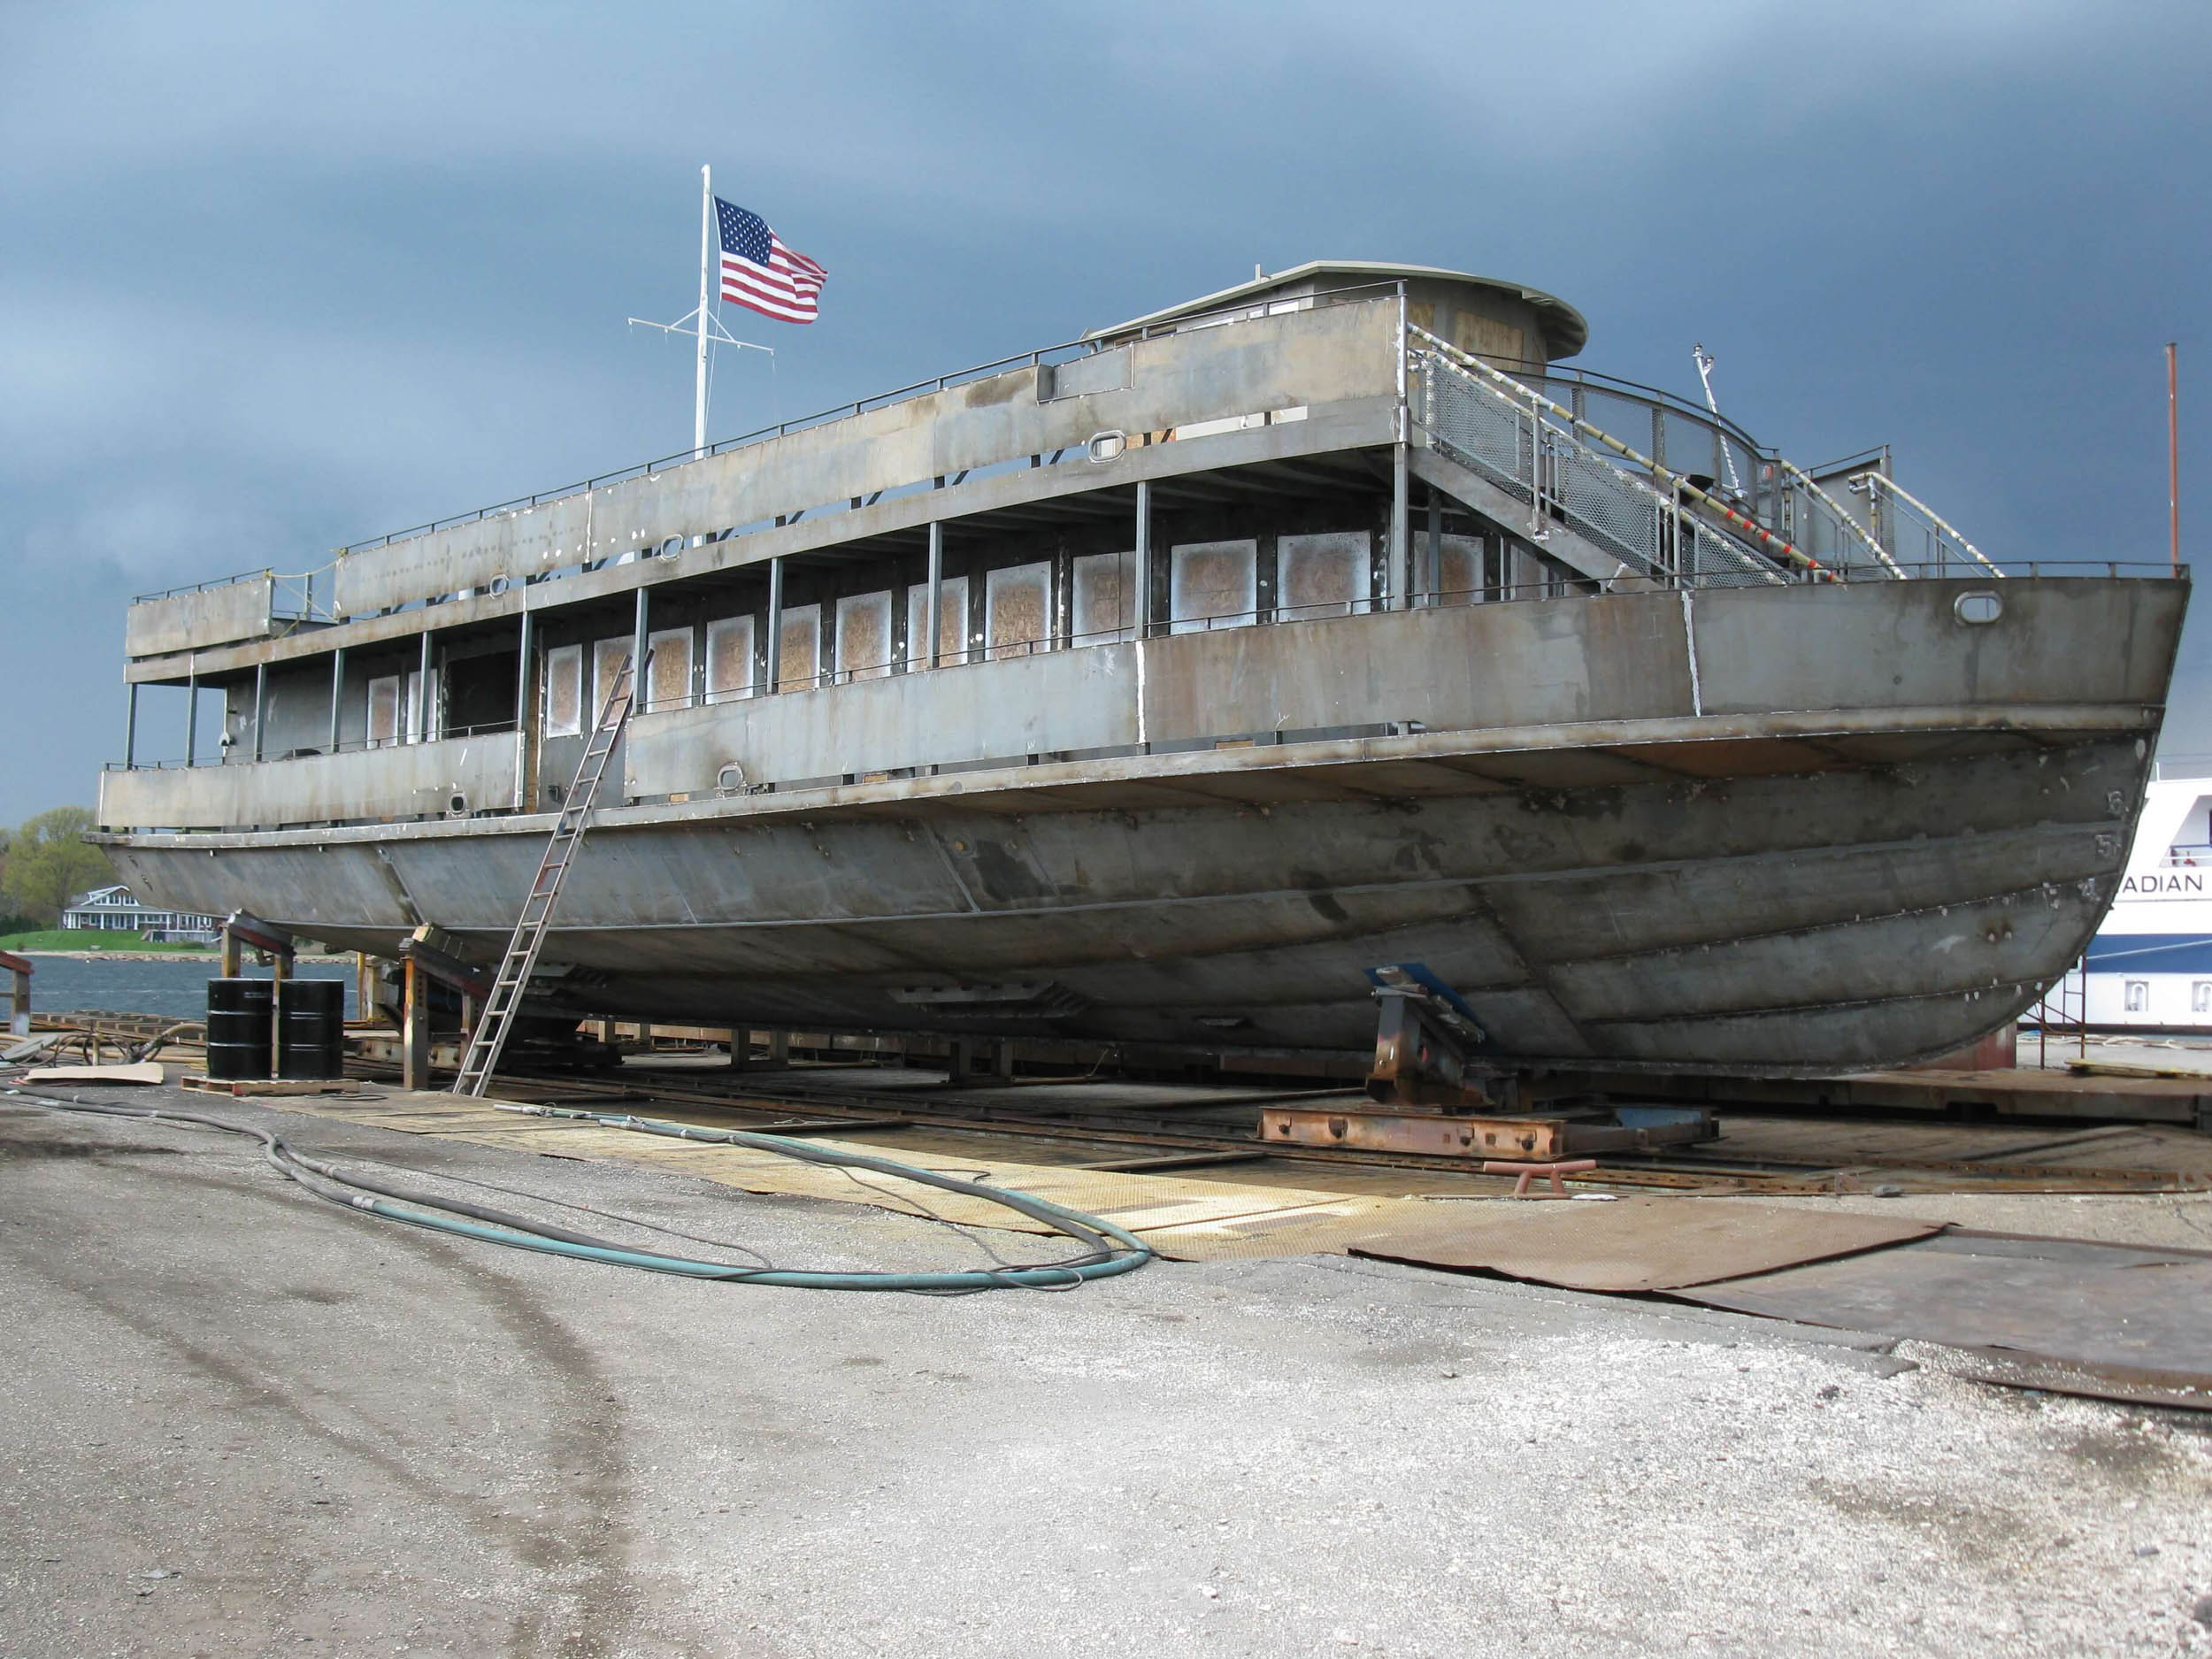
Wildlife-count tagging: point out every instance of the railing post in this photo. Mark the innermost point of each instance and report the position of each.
(1396, 571)
(422, 721)
(337, 691)
(529, 716)
(1433, 575)
(775, 625)
(1538, 529)
(1142, 584)
(522, 672)
(934, 655)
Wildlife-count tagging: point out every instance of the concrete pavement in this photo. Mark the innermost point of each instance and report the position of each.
(242, 1421)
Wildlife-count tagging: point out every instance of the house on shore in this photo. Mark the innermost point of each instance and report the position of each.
(116, 910)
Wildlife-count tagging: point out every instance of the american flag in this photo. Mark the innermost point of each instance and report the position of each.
(758, 271)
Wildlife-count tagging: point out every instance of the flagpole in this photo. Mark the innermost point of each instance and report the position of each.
(706, 300)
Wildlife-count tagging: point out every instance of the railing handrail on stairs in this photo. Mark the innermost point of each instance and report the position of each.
(1866, 482)
(1766, 539)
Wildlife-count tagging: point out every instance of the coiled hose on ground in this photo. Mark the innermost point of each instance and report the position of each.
(1111, 1249)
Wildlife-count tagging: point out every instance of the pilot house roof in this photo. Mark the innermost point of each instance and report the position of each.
(1565, 330)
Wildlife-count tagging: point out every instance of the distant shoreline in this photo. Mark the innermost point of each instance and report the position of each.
(160, 955)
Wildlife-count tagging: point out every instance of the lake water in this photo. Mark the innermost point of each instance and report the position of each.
(176, 988)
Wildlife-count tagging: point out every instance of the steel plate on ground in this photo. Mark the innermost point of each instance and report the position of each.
(1633, 1243)
(2131, 1317)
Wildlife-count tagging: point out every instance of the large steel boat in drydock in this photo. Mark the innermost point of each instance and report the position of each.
(1151, 689)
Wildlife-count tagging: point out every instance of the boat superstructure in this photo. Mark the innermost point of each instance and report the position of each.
(1151, 689)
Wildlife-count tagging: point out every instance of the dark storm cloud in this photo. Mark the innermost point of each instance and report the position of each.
(279, 278)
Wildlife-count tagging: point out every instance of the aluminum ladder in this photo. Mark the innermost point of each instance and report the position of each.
(489, 1040)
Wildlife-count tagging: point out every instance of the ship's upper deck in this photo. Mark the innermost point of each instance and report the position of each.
(1323, 337)
(1340, 441)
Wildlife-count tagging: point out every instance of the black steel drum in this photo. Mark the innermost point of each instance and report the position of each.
(311, 1029)
(238, 1022)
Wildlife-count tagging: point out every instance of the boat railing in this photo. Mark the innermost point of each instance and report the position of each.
(1062, 352)
(1666, 524)
(1912, 527)
(963, 654)
(292, 598)
(235, 753)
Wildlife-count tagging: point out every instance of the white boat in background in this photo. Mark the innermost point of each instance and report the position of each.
(2149, 968)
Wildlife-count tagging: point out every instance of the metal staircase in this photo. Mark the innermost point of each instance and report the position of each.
(1600, 506)
(489, 1042)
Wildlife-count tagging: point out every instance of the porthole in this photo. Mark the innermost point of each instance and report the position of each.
(1977, 608)
(1107, 446)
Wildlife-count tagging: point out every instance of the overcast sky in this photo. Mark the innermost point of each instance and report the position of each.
(273, 278)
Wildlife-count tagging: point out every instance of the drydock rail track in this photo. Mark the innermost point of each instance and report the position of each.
(1204, 1129)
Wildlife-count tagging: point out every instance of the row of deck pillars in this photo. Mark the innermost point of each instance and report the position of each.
(1398, 594)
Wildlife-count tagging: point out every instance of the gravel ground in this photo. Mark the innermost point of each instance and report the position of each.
(241, 1421)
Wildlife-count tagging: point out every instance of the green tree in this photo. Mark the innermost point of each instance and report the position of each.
(50, 862)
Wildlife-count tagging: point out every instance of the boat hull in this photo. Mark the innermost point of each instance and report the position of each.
(1800, 887)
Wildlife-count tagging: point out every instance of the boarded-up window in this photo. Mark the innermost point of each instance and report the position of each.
(668, 673)
(1459, 578)
(386, 711)
(1484, 337)
(1017, 611)
(729, 658)
(607, 657)
(864, 636)
(952, 623)
(565, 691)
(801, 649)
(1324, 576)
(1105, 598)
(1213, 584)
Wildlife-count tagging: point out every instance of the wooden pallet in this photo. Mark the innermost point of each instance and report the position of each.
(241, 1086)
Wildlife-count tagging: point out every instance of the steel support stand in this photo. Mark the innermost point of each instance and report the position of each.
(260, 705)
(414, 1026)
(130, 730)
(337, 693)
